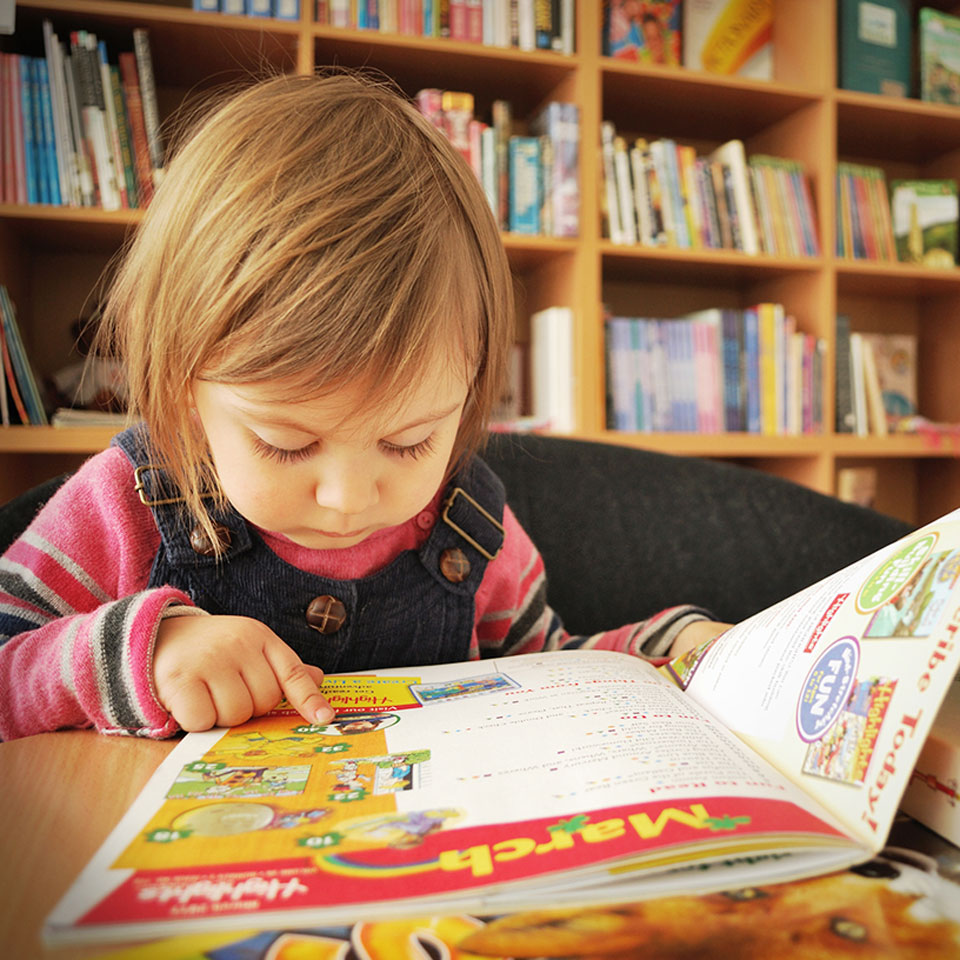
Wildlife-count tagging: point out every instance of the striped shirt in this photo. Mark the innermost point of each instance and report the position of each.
(78, 622)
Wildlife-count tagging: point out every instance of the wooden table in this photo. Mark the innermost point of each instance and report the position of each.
(60, 795)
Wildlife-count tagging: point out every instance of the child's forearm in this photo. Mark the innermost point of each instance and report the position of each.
(90, 669)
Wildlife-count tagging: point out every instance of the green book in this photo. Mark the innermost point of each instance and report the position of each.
(939, 51)
(875, 45)
(925, 221)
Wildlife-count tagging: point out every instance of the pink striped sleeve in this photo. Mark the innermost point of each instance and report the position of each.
(77, 626)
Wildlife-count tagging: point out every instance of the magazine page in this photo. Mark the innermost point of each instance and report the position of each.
(438, 783)
(839, 685)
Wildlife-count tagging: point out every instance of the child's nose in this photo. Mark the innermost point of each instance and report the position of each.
(345, 487)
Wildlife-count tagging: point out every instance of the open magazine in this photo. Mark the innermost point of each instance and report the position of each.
(778, 751)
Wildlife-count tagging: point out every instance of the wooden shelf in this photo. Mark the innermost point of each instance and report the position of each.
(53, 256)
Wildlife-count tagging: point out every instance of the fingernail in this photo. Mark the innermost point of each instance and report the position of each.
(322, 715)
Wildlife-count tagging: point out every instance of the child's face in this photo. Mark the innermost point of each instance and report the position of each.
(326, 473)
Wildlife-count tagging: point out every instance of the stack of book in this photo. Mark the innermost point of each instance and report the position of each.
(532, 182)
(864, 224)
(524, 24)
(78, 130)
(715, 371)
(660, 193)
(281, 9)
(876, 380)
(20, 399)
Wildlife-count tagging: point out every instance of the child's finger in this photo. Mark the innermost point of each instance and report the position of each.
(300, 683)
(191, 706)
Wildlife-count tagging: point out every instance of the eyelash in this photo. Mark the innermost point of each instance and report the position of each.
(282, 455)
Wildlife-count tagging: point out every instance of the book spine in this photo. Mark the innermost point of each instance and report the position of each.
(845, 422)
(502, 116)
(124, 137)
(112, 126)
(10, 385)
(138, 129)
(148, 97)
(627, 206)
(524, 185)
(49, 133)
(751, 355)
(24, 372)
(611, 197)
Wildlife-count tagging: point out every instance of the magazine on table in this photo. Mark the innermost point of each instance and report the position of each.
(777, 751)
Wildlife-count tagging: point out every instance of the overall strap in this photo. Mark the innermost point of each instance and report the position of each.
(469, 533)
(183, 541)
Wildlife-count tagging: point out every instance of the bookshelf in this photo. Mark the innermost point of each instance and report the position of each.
(51, 258)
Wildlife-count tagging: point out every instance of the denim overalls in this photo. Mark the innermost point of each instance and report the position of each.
(419, 609)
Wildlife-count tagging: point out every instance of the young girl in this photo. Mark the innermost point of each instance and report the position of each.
(314, 318)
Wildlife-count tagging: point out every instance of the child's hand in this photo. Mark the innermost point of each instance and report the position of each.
(220, 671)
(693, 634)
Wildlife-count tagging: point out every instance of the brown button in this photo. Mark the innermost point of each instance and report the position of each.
(454, 565)
(326, 614)
(202, 544)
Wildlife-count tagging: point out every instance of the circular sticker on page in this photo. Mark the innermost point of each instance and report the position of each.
(827, 688)
(894, 573)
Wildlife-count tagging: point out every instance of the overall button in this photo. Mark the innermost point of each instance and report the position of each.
(454, 565)
(201, 543)
(326, 614)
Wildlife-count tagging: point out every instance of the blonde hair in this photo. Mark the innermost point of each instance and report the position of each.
(314, 230)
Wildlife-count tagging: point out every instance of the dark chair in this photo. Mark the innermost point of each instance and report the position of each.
(626, 532)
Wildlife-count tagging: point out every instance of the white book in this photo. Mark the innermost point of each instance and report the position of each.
(552, 376)
(641, 196)
(525, 25)
(610, 183)
(67, 168)
(733, 156)
(861, 425)
(113, 133)
(621, 169)
(876, 413)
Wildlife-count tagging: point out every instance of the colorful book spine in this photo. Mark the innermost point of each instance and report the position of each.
(148, 96)
(524, 185)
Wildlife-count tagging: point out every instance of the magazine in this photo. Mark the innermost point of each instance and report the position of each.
(904, 902)
(777, 751)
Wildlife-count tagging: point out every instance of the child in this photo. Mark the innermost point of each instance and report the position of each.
(314, 318)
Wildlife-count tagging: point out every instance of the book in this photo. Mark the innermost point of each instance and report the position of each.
(933, 794)
(876, 412)
(525, 185)
(552, 368)
(148, 99)
(924, 214)
(560, 122)
(857, 485)
(938, 41)
(843, 378)
(895, 355)
(551, 779)
(733, 156)
(876, 41)
(130, 81)
(649, 32)
(24, 379)
(729, 37)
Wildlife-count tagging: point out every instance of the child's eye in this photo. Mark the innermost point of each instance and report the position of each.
(413, 451)
(282, 454)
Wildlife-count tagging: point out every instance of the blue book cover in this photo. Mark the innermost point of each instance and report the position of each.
(29, 140)
(258, 8)
(286, 9)
(620, 387)
(207, 6)
(39, 142)
(731, 326)
(525, 185)
(751, 358)
(638, 343)
(49, 139)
